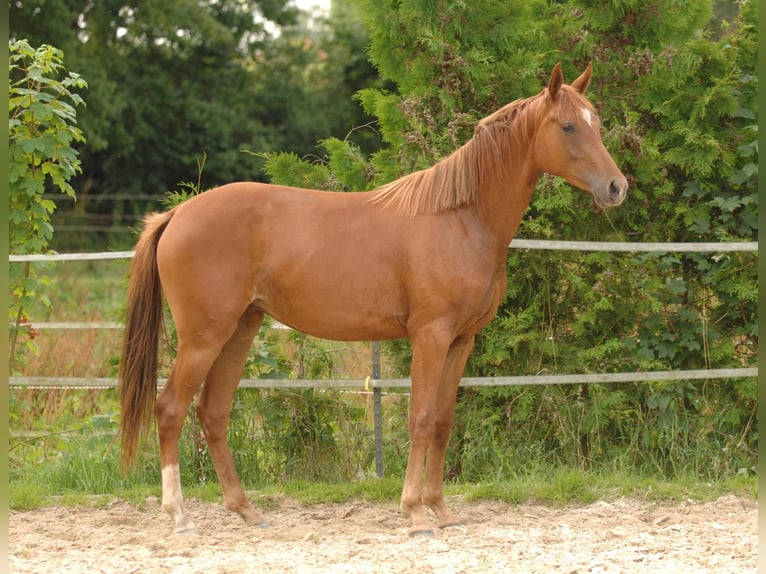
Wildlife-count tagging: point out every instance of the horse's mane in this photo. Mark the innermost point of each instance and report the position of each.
(455, 181)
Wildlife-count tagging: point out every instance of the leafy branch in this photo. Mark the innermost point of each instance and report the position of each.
(42, 130)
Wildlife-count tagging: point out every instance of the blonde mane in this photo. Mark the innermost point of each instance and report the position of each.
(455, 181)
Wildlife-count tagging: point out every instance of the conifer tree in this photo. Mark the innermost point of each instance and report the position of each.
(675, 89)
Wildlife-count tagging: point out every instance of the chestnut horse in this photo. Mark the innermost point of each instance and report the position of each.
(423, 257)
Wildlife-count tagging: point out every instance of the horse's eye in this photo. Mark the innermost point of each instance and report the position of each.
(568, 128)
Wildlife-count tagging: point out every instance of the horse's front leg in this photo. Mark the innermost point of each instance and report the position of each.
(433, 495)
(429, 351)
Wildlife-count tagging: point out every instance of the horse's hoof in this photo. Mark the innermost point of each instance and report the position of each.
(456, 523)
(256, 521)
(187, 530)
(424, 533)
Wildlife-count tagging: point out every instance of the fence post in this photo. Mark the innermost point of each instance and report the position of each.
(377, 410)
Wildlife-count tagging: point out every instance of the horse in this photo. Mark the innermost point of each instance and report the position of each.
(422, 257)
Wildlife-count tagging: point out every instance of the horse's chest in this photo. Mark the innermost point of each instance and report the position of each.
(486, 302)
(470, 299)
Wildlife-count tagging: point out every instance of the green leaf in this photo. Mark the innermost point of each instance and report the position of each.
(677, 286)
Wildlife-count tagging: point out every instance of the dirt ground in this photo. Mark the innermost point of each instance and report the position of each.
(626, 535)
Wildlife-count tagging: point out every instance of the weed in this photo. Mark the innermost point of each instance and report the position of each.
(26, 495)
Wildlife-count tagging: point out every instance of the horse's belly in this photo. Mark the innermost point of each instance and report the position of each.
(340, 326)
(337, 311)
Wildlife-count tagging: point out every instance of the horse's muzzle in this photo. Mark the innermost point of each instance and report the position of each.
(612, 194)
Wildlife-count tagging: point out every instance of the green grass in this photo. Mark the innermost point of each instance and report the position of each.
(559, 487)
(371, 490)
(571, 486)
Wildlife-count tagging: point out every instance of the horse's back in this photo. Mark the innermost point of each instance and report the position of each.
(313, 260)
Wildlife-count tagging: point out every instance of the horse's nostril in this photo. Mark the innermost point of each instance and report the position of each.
(614, 189)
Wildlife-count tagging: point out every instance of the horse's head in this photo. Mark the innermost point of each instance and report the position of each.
(568, 141)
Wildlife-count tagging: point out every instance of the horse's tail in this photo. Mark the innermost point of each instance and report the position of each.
(137, 379)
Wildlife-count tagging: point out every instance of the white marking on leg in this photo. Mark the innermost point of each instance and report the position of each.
(586, 115)
(172, 498)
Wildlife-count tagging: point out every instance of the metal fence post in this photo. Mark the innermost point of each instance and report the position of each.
(377, 410)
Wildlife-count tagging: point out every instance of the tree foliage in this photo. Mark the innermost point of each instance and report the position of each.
(171, 81)
(166, 77)
(676, 89)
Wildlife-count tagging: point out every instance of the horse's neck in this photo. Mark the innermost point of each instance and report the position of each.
(505, 197)
(507, 186)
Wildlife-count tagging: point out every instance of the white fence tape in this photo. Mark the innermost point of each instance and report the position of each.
(543, 244)
(367, 384)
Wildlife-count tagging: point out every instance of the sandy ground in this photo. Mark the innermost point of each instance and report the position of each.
(626, 535)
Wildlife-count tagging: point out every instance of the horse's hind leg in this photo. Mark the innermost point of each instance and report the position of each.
(189, 369)
(214, 408)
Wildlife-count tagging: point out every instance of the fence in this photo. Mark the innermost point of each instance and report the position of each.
(374, 382)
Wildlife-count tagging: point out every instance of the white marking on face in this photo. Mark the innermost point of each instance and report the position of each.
(586, 115)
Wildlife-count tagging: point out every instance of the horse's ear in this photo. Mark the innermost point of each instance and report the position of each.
(581, 84)
(557, 78)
